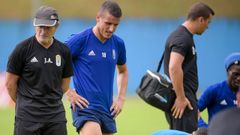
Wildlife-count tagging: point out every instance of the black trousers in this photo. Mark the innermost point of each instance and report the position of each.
(188, 122)
(39, 128)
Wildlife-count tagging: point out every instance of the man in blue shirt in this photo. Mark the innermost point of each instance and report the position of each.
(222, 95)
(96, 52)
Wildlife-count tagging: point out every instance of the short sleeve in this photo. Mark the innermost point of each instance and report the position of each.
(67, 70)
(74, 43)
(206, 98)
(122, 54)
(16, 60)
(180, 47)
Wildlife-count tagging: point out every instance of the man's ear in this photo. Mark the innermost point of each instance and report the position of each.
(201, 19)
(98, 17)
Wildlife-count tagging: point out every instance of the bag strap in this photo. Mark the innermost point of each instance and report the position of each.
(161, 61)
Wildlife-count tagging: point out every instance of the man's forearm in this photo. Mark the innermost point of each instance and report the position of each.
(122, 82)
(176, 73)
(65, 84)
(12, 91)
(177, 80)
(11, 85)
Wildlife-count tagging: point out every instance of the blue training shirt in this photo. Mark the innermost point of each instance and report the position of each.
(94, 66)
(216, 98)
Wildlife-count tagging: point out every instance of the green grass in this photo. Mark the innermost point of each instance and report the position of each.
(137, 118)
(6, 120)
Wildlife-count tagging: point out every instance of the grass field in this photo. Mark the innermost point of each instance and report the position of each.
(137, 118)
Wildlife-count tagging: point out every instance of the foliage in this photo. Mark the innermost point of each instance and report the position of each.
(23, 9)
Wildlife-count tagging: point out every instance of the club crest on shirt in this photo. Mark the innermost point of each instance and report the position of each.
(113, 54)
(104, 54)
(58, 60)
(193, 50)
(235, 102)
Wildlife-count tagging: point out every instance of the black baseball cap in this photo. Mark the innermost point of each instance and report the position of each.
(46, 16)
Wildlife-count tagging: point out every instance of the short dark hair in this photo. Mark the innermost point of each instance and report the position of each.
(200, 131)
(112, 7)
(199, 10)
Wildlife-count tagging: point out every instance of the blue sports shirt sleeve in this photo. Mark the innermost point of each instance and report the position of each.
(202, 123)
(122, 53)
(74, 44)
(206, 99)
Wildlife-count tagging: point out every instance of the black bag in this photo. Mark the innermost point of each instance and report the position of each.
(156, 90)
